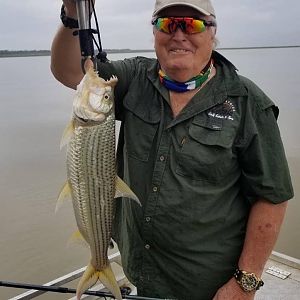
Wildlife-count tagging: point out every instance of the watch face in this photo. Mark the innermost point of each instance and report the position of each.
(249, 282)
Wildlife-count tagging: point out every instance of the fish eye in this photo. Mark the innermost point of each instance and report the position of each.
(106, 96)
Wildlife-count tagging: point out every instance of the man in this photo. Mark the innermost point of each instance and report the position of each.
(200, 147)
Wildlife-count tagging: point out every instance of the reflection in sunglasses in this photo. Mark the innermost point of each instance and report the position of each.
(186, 24)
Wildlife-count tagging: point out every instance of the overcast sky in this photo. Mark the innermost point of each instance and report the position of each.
(31, 24)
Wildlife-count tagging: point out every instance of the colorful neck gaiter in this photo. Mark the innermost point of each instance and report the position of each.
(181, 87)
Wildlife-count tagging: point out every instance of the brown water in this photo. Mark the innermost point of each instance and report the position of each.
(34, 111)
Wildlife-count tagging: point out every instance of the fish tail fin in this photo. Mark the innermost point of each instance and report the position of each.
(107, 277)
(90, 277)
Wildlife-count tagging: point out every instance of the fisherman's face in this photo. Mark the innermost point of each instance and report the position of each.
(183, 56)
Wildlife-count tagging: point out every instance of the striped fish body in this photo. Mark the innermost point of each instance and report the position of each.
(92, 180)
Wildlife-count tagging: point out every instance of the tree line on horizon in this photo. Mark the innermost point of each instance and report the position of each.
(13, 53)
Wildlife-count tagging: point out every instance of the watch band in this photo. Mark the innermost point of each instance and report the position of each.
(248, 281)
(68, 22)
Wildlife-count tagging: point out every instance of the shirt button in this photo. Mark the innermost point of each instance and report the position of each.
(155, 189)
(162, 158)
(148, 219)
(147, 246)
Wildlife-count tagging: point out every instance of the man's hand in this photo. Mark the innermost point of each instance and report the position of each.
(65, 51)
(70, 8)
(232, 291)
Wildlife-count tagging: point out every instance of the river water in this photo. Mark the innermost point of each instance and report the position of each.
(34, 111)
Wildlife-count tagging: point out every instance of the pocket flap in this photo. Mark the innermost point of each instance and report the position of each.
(144, 103)
(210, 131)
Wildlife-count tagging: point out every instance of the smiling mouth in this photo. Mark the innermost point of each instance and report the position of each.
(180, 51)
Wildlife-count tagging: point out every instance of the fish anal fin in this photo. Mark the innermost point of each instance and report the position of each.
(77, 238)
(106, 276)
(123, 190)
(67, 134)
(65, 194)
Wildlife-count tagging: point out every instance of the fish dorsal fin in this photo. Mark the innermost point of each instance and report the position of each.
(65, 194)
(67, 134)
(123, 190)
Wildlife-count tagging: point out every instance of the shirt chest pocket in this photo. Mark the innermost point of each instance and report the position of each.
(142, 116)
(139, 137)
(206, 152)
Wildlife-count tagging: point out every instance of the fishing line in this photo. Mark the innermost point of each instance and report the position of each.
(101, 54)
(85, 10)
(64, 290)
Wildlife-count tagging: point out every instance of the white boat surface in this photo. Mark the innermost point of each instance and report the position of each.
(281, 276)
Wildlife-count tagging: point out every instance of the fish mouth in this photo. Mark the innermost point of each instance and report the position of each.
(112, 81)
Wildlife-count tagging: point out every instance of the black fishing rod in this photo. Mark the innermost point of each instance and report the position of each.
(85, 31)
(85, 10)
(64, 290)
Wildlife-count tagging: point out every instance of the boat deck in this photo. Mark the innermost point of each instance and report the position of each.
(275, 288)
(280, 289)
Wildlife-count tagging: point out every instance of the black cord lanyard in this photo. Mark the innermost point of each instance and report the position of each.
(87, 39)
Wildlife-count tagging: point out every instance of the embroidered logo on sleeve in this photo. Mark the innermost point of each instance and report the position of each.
(223, 111)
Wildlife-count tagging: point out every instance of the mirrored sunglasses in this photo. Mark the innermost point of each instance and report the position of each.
(186, 24)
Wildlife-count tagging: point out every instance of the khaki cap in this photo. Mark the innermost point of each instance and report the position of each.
(203, 6)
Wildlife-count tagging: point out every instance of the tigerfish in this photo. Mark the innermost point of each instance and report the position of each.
(91, 175)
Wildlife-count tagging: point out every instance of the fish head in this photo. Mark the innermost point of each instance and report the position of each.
(101, 99)
(94, 99)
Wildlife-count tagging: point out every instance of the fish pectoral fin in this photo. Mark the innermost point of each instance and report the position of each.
(123, 190)
(64, 194)
(77, 238)
(67, 134)
(106, 276)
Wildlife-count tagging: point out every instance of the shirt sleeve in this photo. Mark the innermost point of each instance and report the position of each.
(265, 172)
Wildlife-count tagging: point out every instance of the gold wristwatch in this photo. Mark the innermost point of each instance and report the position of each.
(249, 282)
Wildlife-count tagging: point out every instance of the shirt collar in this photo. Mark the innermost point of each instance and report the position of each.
(225, 84)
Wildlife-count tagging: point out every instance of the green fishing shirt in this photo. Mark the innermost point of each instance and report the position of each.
(196, 176)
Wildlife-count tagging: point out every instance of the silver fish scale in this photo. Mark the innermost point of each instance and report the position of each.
(91, 175)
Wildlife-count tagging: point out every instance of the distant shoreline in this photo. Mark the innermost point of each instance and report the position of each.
(28, 53)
